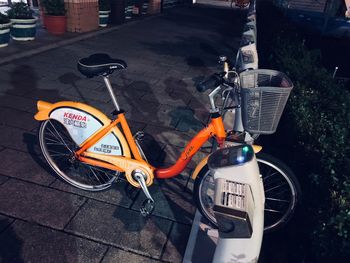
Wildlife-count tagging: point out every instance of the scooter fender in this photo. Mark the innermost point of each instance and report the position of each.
(81, 122)
(245, 250)
(204, 161)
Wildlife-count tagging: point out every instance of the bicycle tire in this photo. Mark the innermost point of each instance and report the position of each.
(204, 190)
(58, 147)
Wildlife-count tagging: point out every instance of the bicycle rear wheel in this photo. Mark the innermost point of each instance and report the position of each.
(282, 192)
(58, 149)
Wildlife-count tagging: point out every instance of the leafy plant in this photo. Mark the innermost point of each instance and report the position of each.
(318, 116)
(104, 5)
(54, 7)
(20, 10)
(4, 19)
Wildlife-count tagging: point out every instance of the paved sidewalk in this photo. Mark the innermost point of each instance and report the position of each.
(43, 219)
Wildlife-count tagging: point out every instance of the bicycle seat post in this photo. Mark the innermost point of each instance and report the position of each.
(111, 93)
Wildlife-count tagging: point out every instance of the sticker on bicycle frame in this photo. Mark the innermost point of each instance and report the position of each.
(107, 145)
(81, 125)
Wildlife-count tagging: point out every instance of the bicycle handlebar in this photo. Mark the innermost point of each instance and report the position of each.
(212, 82)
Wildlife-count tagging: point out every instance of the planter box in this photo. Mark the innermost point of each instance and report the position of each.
(23, 29)
(56, 25)
(104, 18)
(82, 15)
(4, 34)
(129, 6)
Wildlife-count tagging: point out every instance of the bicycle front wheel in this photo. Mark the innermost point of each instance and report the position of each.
(282, 192)
(58, 149)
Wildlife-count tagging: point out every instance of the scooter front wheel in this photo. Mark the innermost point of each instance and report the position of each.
(58, 149)
(282, 192)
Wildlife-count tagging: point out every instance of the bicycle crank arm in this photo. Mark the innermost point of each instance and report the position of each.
(148, 205)
(139, 177)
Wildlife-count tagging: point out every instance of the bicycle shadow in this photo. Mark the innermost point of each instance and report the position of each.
(173, 198)
(11, 243)
(22, 87)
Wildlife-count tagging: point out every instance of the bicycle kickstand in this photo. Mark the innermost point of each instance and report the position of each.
(147, 205)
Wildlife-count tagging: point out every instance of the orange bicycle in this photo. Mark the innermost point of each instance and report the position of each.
(90, 151)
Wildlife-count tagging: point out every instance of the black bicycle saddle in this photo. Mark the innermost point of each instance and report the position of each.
(99, 64)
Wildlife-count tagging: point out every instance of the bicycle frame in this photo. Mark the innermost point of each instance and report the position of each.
(215, 128)
(125, 163)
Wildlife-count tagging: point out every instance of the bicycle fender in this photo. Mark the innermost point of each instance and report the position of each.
(82, 121)
(204, 161)
(199, 167)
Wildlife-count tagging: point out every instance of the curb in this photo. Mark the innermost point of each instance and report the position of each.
(72, 40)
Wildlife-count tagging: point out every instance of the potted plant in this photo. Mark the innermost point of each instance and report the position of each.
(129, 6)
(4, 30)
(23, 26)
(104, 11)
(55, 16)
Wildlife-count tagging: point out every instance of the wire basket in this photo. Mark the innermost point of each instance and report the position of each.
(264, 95)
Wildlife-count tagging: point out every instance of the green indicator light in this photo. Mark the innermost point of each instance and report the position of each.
(245, 149)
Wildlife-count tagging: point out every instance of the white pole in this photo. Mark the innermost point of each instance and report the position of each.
(347, 13)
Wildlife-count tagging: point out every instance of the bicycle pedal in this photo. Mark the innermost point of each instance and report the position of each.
(147, 207)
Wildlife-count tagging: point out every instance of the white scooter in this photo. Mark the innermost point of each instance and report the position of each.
(239, 204)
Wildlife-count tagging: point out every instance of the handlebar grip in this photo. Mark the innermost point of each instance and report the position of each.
(212, 82)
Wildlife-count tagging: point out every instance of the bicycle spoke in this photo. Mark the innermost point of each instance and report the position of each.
(268, 176)
(273, 211)
(61, 139)
(277, 200)
(270, 189)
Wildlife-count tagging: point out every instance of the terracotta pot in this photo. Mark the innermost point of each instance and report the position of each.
(56, 25)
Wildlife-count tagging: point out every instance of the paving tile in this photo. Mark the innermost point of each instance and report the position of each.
(141, 111)
(168, 135)
(18, 102)
(82, 83)
(174, 152)
(165, 95)
(117, 255)
(13, 138)
(136, 126)
(25, 166)
(4, 222)
(176, 245)
(120, 193)
(178, 183)
(169, 116)
(170, 203)
(25, 242)
(84, 95)
(121, 227)
(3, 179)
(48, 95)
(132, 91)
(4, 77)
(38, 204)
(18, 119)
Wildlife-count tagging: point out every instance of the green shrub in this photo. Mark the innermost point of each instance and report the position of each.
(104, 5)
(54, 7)
(4, 19)
(20, 10)
(318, 113)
